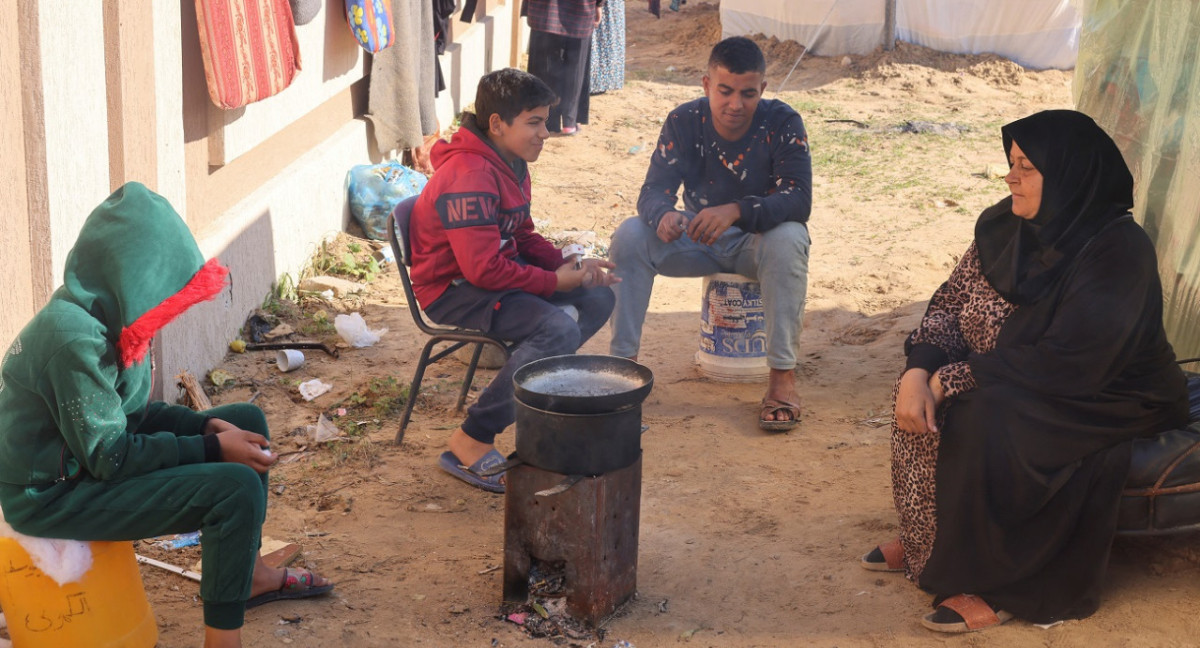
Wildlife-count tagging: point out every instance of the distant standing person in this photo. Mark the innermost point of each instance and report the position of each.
(608, 49)
(746, 173)
(560, 46)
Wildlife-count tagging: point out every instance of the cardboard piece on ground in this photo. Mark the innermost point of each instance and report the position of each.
(275, 553)
(284, 555)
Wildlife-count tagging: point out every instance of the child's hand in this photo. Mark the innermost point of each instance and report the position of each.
(245, 447)
(570, 278)
(599, 273)
(591, 272)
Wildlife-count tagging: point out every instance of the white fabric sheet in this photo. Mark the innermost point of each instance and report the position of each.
(1034, 33)
(824, 27)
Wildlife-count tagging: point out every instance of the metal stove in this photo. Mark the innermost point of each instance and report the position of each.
(582, 531)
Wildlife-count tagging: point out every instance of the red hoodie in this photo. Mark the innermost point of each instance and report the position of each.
(472, 220)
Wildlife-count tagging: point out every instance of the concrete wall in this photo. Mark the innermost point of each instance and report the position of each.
(287, 216)
(16, 264)
(259, 186)
(75, 114)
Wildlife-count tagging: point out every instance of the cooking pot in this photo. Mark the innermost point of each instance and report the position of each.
(582, 384)
(580, 414)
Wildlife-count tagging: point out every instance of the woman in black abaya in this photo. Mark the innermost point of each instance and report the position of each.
(1036, 365)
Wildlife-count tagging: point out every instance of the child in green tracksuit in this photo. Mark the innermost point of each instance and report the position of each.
(85, 455)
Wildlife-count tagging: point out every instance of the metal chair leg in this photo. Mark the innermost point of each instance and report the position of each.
(466, 386)
(414, 389)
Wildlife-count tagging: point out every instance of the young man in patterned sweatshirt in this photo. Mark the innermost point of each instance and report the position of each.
(744, 165)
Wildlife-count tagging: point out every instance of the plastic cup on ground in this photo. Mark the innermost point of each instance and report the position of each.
(289, 360)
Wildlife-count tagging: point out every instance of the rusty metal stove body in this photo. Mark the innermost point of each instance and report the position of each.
(573, 489)
(588, 531)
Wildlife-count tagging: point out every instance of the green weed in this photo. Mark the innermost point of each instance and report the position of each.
(280, 303)
(345, 258)
(316, 323)
(360, 451)
(379, 398)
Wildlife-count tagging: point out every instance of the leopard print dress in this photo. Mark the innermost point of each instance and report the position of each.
(964, 316)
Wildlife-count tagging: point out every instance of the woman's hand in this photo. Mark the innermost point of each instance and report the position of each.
(241, 446)
(917, 401)
(937, 388)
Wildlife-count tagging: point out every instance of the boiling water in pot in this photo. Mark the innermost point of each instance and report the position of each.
(581, 382)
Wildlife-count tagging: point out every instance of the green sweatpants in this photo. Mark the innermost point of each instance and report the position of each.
(227, 502)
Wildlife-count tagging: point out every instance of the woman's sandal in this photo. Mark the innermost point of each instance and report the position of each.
(297, 584)
(887, 557)
(964, 613)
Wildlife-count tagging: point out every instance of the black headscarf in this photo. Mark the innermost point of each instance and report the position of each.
(1085, 187)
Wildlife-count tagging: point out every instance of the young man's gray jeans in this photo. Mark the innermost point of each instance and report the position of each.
(777, 259)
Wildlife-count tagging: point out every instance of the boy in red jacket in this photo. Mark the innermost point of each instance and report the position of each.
(478, 263)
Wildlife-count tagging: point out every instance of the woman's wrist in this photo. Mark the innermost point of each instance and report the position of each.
(936, 386)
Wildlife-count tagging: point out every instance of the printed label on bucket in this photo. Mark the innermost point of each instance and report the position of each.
(732, 324)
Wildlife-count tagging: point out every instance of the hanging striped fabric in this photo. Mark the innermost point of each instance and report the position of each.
(249, 47)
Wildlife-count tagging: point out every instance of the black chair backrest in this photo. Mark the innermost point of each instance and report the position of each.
(398, 224)
(401, 217)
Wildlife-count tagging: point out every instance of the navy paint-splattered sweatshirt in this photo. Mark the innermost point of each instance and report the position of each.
(768, 172)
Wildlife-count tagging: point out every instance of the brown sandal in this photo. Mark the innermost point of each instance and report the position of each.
(974, 614)
(773, 407)
(887, 557)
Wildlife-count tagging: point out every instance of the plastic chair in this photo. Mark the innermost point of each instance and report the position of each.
(397, 228)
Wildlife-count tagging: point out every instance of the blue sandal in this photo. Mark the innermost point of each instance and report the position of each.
(471, 474)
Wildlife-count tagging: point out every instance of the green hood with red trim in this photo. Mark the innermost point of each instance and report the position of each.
(76, 381)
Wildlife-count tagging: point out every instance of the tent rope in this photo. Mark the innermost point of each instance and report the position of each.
(816, 36)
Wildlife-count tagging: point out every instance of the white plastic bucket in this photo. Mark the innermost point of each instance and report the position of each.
(733, 335)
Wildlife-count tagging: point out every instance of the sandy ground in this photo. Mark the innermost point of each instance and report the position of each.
(747, 538)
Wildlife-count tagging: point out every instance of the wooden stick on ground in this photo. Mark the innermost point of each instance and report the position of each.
(199, 400)
(171, 568)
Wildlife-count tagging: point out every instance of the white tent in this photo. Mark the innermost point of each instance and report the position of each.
(1034, 33)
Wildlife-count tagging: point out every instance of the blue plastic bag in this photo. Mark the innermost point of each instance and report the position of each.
(375, 189)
